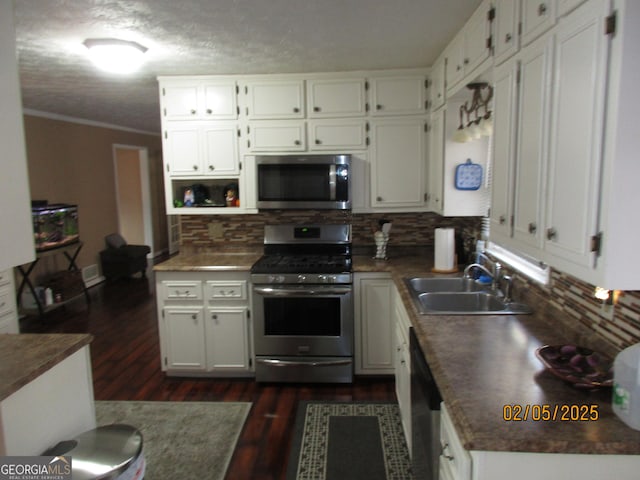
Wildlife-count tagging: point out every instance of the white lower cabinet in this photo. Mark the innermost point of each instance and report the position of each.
(204, 323)
(374, 328)
(403, 364)
(8, 309)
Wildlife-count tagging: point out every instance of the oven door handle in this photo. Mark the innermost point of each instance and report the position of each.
(294, 363)
(302, 292)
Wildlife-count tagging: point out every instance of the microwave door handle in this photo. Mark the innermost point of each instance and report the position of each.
(332, 182)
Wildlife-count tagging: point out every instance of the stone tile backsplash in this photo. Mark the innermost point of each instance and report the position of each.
(621, 327)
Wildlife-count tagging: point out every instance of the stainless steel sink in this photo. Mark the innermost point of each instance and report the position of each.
(459, 296)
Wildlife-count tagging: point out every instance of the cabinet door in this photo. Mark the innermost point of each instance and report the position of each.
(454, 70)
(220, 149)
(538, 16)
(506, 36)
(504, 136)
(360, 182)
(576, 134)
(277, 136)
(219, 101)
(476, 35)
(227, 339)
(436, 161)
(374, 344)
(437, 92)
(180, 102)
(183, 337)
(337, 134)
(532, 142)
(398, 95)
(183, 151)
(275, 100)
(566, 6)
(398, 162)
(336, 98)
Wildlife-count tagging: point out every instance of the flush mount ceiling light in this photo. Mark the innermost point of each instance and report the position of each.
(115, 56)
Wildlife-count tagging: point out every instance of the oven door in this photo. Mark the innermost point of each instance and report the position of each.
(307, 320)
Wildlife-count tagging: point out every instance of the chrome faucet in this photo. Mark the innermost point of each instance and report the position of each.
(495, 274)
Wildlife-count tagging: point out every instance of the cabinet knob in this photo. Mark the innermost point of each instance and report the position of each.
(379, 199)
(316, 109)
(209, 111)
(542, 9)
(296, 110)
(439, 95)
(502, 219)
(378, 107)
(195, 167)
(211, 167)
(466, 61)
(458, 67)
(214, 317)
(507, 38)
(532, 228)
(194, 316)
(318, 141)
(193, 112)
(551, 233)
(297, 142)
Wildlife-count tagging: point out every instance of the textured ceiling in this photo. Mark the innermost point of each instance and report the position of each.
(214, 37)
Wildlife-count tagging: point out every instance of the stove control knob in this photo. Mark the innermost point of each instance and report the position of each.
(332, 279)
(301, 278)
(323, 279)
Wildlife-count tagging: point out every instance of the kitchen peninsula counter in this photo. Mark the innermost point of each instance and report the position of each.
(486, 362)
(210, 262)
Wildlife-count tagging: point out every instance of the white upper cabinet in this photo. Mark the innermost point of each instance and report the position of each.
(469, 49)
(403, 95)
(336, 98)
(275, 99)
(337, 134)
(505, 34)
(577, 122)
(398, 162)
(538, 16)
(436, 161)
(437, 91)
(286, 136)
(198, 99)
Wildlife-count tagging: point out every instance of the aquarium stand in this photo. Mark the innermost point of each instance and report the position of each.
(66, 285)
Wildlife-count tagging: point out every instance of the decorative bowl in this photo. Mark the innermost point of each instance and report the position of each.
(579, 366)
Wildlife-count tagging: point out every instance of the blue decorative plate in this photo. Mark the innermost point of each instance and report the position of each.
(468, 176)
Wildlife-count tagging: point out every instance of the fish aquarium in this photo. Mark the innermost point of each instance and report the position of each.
(54, 225)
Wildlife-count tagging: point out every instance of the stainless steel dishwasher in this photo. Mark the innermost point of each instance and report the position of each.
(425, 415)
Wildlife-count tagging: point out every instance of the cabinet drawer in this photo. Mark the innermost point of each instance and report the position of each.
(453, 457)
(226, 290)
(182, 290)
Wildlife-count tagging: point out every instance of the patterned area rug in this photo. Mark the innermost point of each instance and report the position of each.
(336, 441)
(188, 440)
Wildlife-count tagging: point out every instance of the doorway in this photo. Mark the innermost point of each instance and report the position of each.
(133, 194)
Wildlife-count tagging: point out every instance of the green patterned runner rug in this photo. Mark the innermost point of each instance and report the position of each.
(339, 441)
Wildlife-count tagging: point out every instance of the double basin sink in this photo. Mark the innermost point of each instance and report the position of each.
(459, 296)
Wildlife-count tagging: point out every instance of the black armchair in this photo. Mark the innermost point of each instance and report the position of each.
(122, 260)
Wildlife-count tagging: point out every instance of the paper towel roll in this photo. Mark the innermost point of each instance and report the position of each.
(445, 249)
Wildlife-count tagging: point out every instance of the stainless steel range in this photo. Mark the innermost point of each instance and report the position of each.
(303, 305)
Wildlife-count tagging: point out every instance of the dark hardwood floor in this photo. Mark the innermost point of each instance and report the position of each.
(125, 357)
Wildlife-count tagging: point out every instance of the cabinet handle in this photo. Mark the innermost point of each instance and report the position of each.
(193, 112)
(507, 38)
(503, 219)
(378, 107)
(297, 142)
(211, 167)
(551, 233)
(542, 9)
(296, 110)
(445, 455)
(316, 109)
(318, 141)
(532, 228)
(209, 111)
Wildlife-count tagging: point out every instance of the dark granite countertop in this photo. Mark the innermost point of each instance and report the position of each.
(24, 357)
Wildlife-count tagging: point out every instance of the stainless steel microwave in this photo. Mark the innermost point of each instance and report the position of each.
(304, 181)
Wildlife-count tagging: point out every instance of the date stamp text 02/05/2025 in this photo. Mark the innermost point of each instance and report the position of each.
(550, 413)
